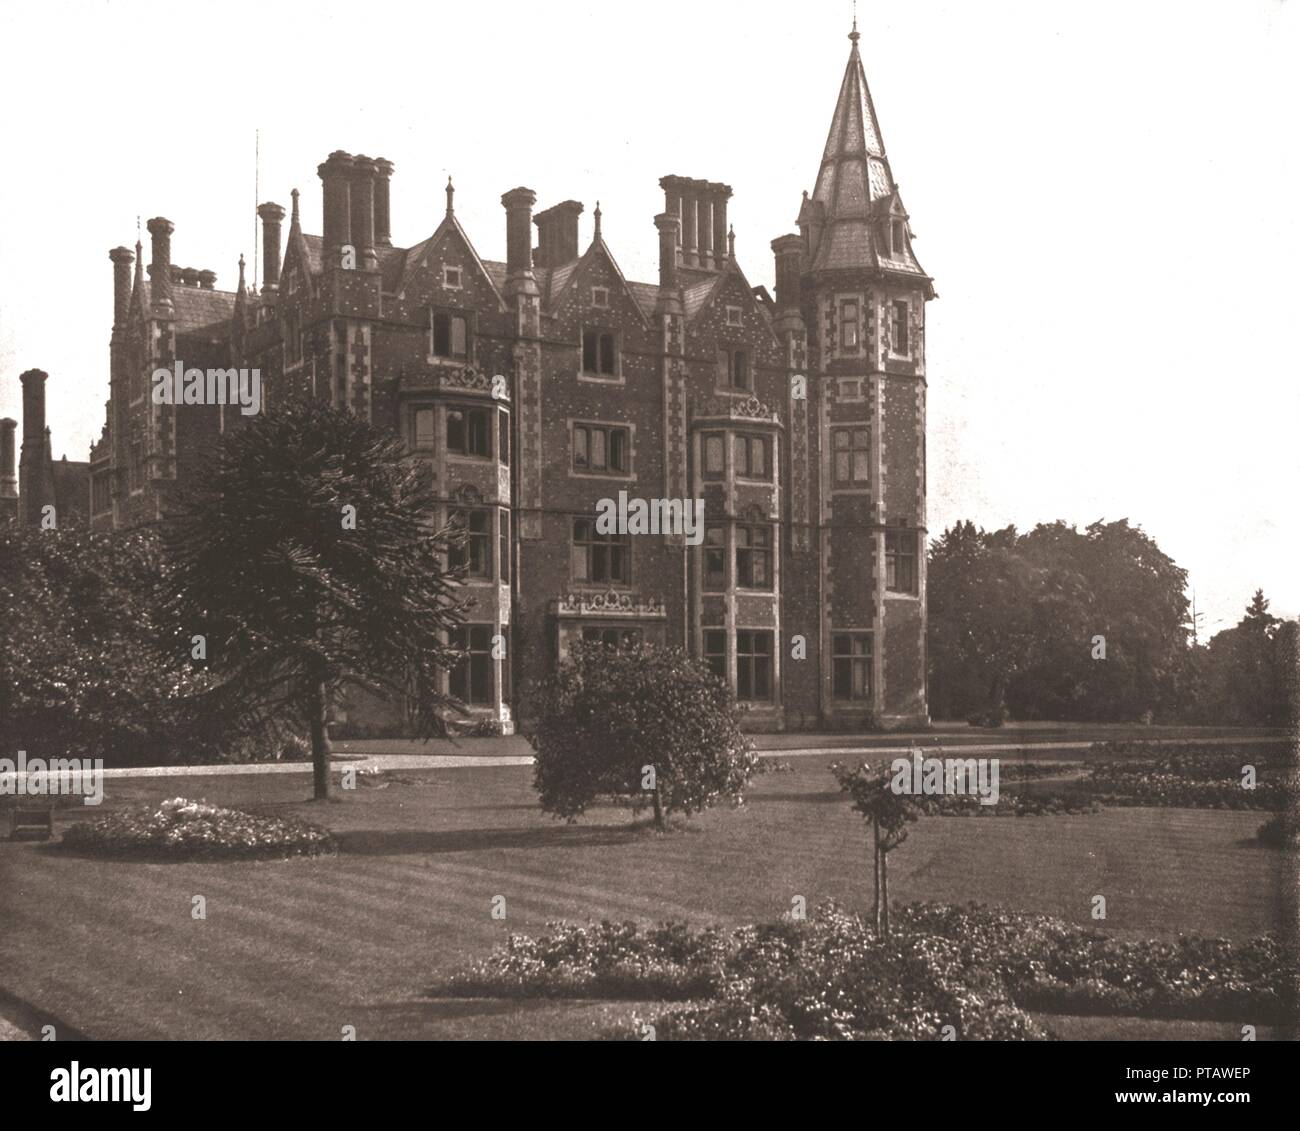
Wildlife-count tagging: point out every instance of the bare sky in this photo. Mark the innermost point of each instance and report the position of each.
(1105, 194)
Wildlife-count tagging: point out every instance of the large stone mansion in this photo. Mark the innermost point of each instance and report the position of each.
(799, 418)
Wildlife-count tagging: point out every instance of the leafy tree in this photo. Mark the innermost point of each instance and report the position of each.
(309, 560)
(86, 669)
(890, 813)
(1013, 618)
(643, 725)
(995, 612)
(1248, 671)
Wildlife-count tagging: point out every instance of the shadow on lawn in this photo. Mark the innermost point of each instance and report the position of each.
(422, 842)
(819, 797)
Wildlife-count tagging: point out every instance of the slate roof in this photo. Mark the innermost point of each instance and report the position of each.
(855, 194)
(196, 308)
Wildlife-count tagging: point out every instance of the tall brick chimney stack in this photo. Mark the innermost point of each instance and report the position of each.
(37, 483)
(160, 269)
(8, 464)
(363, 212)
(669, 298)
(33, 382)
(704, 222)
(383, 215)
(692, 202)
(272, 215)
(787, 250)
(557, 234)
(721, 245)
(518, 203)
(122, 258)
(334, 173)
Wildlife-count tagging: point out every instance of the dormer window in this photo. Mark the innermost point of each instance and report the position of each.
(735, 317)
(450, 335)
(451, 278)
(899, 239)
(600, 297)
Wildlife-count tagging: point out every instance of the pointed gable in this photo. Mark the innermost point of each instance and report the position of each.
(597, 267)
(710, 305)
(422, 279)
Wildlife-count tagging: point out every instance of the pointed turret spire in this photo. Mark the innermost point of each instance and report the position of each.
(854, 217)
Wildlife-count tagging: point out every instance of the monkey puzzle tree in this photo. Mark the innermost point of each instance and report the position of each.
(646, 725)
(308, 562)
(889, 813)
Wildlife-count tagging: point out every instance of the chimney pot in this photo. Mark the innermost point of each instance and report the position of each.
(271, 215)
(160, 269)
(362, 210)
(336, 194)
(37, 487)
(383, 217)
(518, 203)
(557, 234)
(787, 250)
(668, 225)
(208, 280)
(8, 457)
(721, 248)
(122, 258)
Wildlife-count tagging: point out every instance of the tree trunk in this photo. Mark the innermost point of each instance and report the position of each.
(884, 891)
(320, 744)
(659, 809)
(998, 693)
(875, 877)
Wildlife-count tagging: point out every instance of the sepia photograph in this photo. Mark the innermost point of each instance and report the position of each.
(648, 522)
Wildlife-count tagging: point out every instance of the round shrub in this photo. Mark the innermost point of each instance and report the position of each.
(181, 829)
(649, 726)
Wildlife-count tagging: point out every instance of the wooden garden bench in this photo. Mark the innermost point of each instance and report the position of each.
(31, 821)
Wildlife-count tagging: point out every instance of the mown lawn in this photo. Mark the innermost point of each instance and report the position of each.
(304, 947)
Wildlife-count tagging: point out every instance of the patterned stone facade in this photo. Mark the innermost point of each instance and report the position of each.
(536, 387)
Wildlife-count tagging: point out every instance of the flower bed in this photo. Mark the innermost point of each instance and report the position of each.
(1051, 966)
(1185, 776)
(974, 968)
(1027, 804)
(181, 829)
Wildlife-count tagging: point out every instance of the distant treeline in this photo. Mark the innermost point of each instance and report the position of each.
(1093, 624)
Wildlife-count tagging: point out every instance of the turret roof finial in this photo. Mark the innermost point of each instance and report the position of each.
(451, 192)
(853, 35)
(596, 217)
(293, 220)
